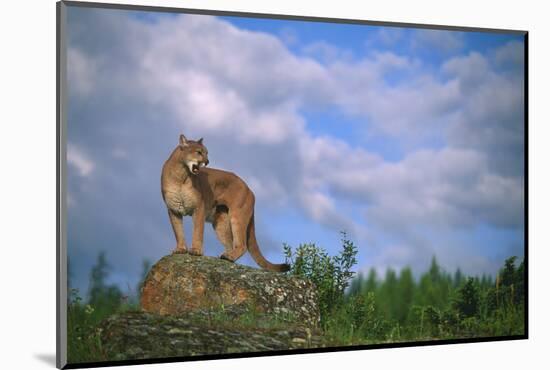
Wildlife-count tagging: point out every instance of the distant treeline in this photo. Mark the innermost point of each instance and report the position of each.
(441, 305)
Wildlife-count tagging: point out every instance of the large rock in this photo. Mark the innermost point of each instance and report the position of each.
(139, 335)
(180, 284)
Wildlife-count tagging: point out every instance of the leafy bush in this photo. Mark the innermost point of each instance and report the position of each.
(330, 274)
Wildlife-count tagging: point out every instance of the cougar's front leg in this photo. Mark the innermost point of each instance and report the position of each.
(177, 226)
(198, 231)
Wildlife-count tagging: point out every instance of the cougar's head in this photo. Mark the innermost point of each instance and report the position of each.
(194, 154)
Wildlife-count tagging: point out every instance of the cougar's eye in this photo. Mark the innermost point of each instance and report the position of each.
(199, 152)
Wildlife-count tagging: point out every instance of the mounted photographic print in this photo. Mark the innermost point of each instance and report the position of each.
(235, 184)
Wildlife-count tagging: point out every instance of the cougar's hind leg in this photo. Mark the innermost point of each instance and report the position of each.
(222, 227)
(239, 225)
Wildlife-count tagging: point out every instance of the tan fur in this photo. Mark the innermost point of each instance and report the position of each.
(210, 195)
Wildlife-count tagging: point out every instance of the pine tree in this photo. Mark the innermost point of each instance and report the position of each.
(520, 284)
(508, 274)
(371, 285)
(435, 287)
(457, 281)
(388, 295)
(486, 282)
(435, 271)
(98, 274)
(405, 294)
(100, 294)
(467, 302)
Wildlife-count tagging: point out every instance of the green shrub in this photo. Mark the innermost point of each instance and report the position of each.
(330, 274)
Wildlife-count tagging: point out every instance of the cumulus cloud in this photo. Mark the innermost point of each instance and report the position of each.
(388, 36)
(134, 86)
(79, 161)
(82, 73)
(448, 187)
(438, 40)
(491, 116)
(327, 52)
(511, 54)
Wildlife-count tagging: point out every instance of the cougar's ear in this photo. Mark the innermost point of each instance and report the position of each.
(183, 141)
(200, 141)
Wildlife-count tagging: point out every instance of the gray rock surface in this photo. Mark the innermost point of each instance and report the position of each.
(139, 335)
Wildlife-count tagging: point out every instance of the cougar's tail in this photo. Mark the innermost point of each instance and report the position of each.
(254, 250)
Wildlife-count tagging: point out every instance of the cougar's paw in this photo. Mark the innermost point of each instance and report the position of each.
(224, 256)
(195, 252)
(179, 250)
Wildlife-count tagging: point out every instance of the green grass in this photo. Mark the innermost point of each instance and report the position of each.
(248, 318)
(357, 322)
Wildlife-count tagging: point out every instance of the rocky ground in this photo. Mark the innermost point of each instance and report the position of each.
(139, 335)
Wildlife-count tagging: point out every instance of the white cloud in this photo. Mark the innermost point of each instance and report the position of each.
(470, 69)
(414, 109)
(82, 71)
(447, 188)
(511, 54)
(327, 52)
(319, 206)
(388, 36)
(491, 114)
(441, 188)
(439, 40)
(80, 161)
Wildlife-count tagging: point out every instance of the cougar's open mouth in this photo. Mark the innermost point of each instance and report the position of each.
(195, 168)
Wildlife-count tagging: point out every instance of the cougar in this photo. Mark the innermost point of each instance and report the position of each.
(210, 195)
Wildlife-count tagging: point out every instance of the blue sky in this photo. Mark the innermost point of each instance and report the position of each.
(410, 140)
